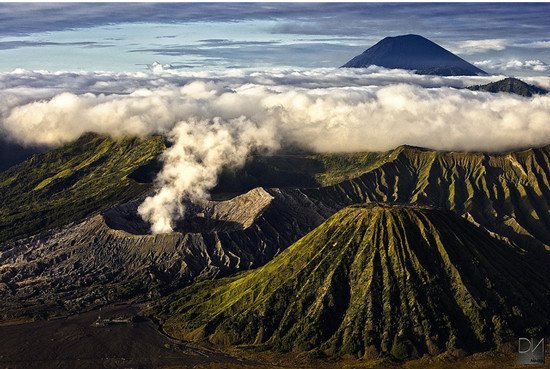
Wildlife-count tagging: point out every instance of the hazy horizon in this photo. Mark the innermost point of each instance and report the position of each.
(121, 37)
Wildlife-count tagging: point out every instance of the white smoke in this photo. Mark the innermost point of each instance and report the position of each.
(218, 122)
(201, 148)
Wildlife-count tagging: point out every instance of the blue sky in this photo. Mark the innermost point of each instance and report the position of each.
(507, 38)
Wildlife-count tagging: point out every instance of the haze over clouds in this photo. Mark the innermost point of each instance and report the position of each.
(215, 119)
(468, 47)
(61, 36)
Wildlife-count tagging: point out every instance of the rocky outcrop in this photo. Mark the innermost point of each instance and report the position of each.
(203, 216)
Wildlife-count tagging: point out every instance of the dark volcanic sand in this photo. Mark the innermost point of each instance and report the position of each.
(75, 343)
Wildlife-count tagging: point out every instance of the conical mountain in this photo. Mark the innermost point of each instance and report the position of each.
(414, 52)
(373, 280)
(510, 85)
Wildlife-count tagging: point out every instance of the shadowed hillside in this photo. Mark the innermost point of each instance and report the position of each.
(376, 279)
(96, 172)
(12, 153)
(74, 181)
(414, 52)
(510, 85)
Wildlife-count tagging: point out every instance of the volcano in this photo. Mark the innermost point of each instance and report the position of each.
(414, 52)
(373, 280)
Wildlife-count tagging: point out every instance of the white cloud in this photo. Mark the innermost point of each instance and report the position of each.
(479, 46)
(484, 63)
(157, 67)
(514, 65)
(535, 45)
(536, 65)
(216, 119)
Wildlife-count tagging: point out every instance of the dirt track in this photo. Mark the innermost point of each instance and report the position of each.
(75, 342)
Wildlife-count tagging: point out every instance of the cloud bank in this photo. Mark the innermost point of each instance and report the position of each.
(469, 47)
(216, 119)
(514, 65)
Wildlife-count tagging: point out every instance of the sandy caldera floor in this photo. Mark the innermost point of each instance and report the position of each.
(118, 336)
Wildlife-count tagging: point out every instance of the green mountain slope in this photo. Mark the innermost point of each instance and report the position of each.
(377, 279)
(506, 193)
(96, 172)
(297, 171)
(69, 183)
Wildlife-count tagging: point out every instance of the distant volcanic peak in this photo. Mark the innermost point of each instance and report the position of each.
(511, 85)
(377, 279)
(413, 52)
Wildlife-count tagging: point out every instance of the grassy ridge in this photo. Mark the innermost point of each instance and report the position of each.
(96, 172)
(397, 281)
(506, 193)
(298, 170)
(346, 166)
(69, 183)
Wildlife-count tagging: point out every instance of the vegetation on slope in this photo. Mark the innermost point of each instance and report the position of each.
(344, 166)
(506, 193)
(393, 280)
(96, 172)
(297, 170)
(69, 183)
